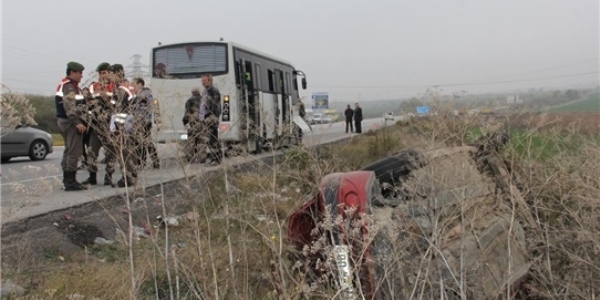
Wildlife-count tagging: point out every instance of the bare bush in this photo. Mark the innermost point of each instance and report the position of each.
(231, 239)
(16, 110)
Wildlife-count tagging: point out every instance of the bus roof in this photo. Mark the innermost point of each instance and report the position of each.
(233, 44)
(248, 49)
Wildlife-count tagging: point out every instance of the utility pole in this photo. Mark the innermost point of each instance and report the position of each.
(137, 68)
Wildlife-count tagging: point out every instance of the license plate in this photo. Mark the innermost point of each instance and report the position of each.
(183, 136)
(341, 255)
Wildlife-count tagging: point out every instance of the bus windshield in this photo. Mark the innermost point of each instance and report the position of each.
(189, 60)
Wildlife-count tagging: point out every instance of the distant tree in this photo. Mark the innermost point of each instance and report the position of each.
(410, 105)
(556, 93)
(16, 110)
(45, 112)
(572, 94)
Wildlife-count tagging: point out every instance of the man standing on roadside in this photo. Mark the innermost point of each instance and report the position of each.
(191, 121)
(122, 128)
(358, 117)
(99, 111)
(68, 99)
(349, 113)
(210, 113)
(144, 111)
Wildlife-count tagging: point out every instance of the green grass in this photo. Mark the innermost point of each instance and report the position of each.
(58, 139)
(545, 146)
(542, 146)
(591, 104)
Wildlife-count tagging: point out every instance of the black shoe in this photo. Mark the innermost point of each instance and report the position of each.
(108, 179)
(71, 183)
(92, 180)
(156, 166)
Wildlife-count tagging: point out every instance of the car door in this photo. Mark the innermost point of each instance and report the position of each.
(14, 143)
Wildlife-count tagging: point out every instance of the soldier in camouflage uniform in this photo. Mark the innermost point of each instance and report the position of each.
(210, 113)
(122, 133)
(194, 146)
(100, 108)
(69, 118)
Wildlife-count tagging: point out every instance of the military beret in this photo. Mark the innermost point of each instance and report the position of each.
(103, 67)
(75, 66)
(116, 67)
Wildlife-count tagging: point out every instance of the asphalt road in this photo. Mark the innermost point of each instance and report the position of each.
(34, 187)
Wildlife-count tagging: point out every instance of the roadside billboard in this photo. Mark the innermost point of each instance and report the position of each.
(422, 110)
(320, 101)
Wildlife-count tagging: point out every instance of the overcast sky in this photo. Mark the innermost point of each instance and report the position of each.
(350, 49)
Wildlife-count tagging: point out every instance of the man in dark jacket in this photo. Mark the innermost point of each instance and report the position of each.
(191, 121)
(144, 111)
(358, 117)
(210, 113)
(349, 113)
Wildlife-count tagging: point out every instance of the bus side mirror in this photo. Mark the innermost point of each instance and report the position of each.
(303, 83)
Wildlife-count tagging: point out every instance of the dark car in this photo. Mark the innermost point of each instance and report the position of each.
(26, 141)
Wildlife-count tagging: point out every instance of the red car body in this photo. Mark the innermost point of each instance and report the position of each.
(343, 199)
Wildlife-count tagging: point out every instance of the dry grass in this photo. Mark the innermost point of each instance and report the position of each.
(233, 246)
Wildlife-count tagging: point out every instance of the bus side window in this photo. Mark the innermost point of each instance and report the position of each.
(295, 82)
(237, 72)
(258, 77)
(271, 79)
(288, 88)
(249, 77)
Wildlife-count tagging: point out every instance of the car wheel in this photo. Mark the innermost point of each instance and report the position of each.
(38, 150)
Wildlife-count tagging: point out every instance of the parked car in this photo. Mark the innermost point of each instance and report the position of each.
(376, 225)
(26, 141)
(319, 118)
(388, 116)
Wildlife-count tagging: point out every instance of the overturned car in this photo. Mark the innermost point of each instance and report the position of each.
(446, 223)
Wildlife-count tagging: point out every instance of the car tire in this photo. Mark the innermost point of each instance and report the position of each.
(389, 169)
(38, 150)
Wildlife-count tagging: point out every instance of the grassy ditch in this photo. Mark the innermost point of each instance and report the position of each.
(230, 243)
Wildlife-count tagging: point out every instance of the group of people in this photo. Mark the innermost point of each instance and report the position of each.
(117, 115)
(201, 120)
(355, 115)
(112, 113)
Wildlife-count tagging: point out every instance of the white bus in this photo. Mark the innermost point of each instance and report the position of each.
(259, 93)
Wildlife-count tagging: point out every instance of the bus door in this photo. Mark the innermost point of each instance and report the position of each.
(248, 107)
(280, 104)
(285, 103)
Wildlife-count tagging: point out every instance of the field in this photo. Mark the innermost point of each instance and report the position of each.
(230, 242)
(590, 104)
